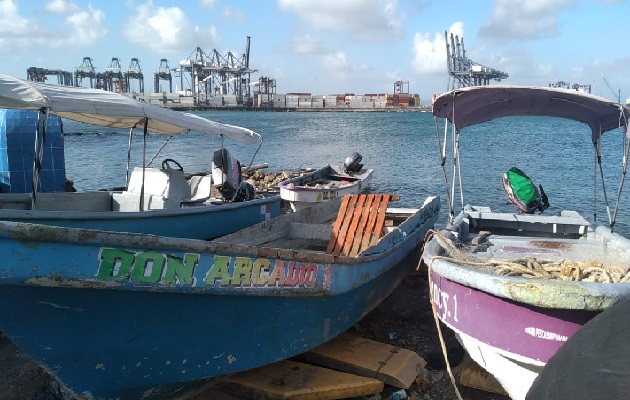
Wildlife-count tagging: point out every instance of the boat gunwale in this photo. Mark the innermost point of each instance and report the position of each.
(548, 293)
(360, 177)
(31, 232)
(201, 208)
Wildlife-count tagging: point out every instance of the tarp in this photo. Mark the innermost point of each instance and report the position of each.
(103, 108)
(473, 105)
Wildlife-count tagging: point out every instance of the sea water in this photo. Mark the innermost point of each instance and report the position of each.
(401, 147)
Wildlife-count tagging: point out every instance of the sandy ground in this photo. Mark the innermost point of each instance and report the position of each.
(407, 313)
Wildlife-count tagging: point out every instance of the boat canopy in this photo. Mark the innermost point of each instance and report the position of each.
(103, 108)
(474, 105)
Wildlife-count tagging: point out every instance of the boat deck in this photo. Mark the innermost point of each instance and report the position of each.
(314, 229)
(502, 247)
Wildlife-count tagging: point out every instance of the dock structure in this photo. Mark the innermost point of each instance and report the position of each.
(585, 88)
(464, 72)
(215, 81)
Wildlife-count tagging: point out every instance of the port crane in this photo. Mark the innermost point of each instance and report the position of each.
(36, 74)
(163, 73)
(213, 74)
(85, 70)
(618, 94)
(463, 71)
(134, 72)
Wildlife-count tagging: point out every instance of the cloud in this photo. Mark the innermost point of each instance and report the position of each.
(524, 19)
(15, 28)
(80, 27)
(305, 44)
(430, 52)
(61, 7)
(166, 29)
(207, 3)
(364, 20)
(231, 13)
(87, 28)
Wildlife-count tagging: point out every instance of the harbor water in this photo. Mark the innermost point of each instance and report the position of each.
(402, 148)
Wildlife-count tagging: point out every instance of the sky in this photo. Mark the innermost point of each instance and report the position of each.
(331, 46)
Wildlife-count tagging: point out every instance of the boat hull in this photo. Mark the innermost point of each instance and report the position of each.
(203, 222)
(513, 325)
(511, 340)
(130, 344)
(139, 316)
(302, 192)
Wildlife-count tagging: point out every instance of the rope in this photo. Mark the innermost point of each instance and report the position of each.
(428, 237)
(442, 342)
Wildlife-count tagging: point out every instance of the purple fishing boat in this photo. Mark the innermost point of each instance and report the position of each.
(515, 286)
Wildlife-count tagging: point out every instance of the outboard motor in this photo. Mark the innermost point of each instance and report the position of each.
(522, 192)
(226, 173)
(353, 163)
(244, 192)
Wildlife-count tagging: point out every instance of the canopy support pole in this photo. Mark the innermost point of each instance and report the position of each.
(129, 156)
(38, 154)
(442, 150)
(144, 159)
(601, 172)
(624, 167)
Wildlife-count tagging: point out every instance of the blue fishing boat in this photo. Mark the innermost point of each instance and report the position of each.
(130, 315)
(162, 201)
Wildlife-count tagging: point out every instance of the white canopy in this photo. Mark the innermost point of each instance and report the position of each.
(100, 107)
(473, 105)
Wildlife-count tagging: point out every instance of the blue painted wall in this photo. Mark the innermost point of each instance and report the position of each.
(17, 144)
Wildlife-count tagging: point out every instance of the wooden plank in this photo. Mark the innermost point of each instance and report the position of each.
(345, 224)
(334, 238)
(363, 229)
(356, 220)
(297, 381)
(380, 219)
(349, 353)
(369, 228)
(476, 377)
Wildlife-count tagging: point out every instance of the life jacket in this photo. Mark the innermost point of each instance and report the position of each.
(523, 193)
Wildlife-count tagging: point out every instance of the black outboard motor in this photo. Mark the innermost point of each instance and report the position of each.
(226, 173)
(244, 192)
(353, 163)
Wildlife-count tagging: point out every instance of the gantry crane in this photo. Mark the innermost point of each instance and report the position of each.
(134, 72)
(163, 73)
(463, 71)
(214, 74)
(85, 70)
(112, 79)
(618, 94)
(36, 74)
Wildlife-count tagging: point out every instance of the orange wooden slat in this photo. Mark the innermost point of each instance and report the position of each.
(343, 220)
(352, 230)
(337, 224)
(362, 228)
(359, 224)
(369, 228)
(380, 219)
